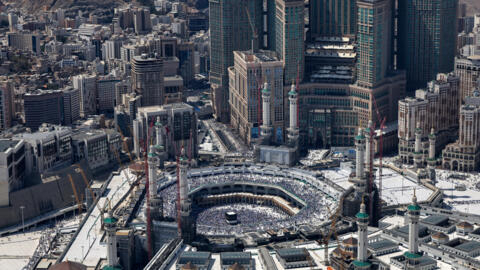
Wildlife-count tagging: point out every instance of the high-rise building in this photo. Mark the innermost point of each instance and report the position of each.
(427, 32)
(290, 37)
(12, 22)
(179, 121)
(468, 70)
(121, 88)
(7, 109)
(126, 112)
(141, 21)
(106, 93)
(60, 17)
(434, 107)
(148, 79)
(464, 155)
(24, 41)
(87, 84)
(71, 105)
(333, 18)
(232, 27)
(112, 48)
(186, 51)
(378, 83)
(43, 107)
(375, 40)
(247, 77)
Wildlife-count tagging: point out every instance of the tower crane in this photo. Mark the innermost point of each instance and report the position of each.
(380, 152)
(327, 236)
(254, 30)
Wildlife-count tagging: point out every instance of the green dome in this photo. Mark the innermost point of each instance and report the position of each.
(110, 220)
(362, 215)
(414, 207)
(108, 267)
(361, 264)
(410, 255)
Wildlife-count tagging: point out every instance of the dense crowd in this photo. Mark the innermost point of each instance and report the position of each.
(253, 217)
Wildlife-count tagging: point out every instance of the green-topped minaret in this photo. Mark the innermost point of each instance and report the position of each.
(110, 225)
(413, 255)
(362, 251)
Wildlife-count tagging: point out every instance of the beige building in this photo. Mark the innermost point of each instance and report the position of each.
(434, 107)
(468, 70)
(464, 155)
(246, 79)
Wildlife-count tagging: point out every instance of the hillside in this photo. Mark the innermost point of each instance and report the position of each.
(84, 5)
(473, 6)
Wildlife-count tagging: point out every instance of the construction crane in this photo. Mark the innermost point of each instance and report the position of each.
(380, 153)
(254, 30)
(77, 198)
(147, 187)
(327, 236)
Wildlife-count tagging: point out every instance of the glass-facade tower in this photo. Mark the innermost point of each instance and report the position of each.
(332, 18)
(427, 39)
(374, 38)
(230, 30)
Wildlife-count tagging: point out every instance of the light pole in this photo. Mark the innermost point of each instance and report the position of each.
(23, 220)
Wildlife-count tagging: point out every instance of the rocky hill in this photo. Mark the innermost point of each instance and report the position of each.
(69, 5)
(473, 6)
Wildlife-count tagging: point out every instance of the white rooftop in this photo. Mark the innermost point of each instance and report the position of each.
(465, 201)
(396, 188)
(87, 247)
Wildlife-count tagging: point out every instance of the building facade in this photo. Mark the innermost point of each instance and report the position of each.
(43, 107)
(247, 77)
(427, 32)
(374, 41)
(147, 79)
(290, 37)
(7, 109)
(24, 41)
(106, 93)
(333, 18)
(48, 148)
(464, 155)
(435, 107)
(179, 128)
(87, 85)
(468, 70)
(71, 105)
(12, 168)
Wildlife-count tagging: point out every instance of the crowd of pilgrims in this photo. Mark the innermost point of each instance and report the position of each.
(252, 217)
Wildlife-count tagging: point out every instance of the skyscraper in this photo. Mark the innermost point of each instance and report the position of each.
(147, 79)
(375, 39)
(427, 39)
(290, 37)
(332, 18)
(232, 27)
(87, 84)
(378, 83)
